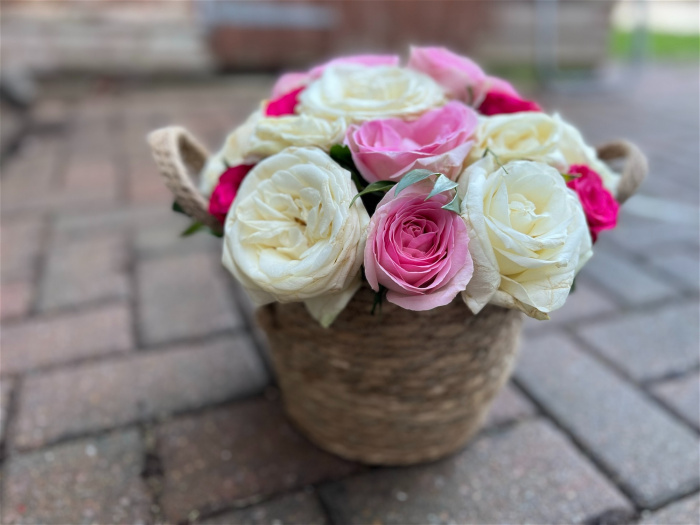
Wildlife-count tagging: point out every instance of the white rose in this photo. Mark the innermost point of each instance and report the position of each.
(537, 136)
(272, 135)
(358, 93)
(528, 236)
(527, 135)
(291, 234)
(232, 153)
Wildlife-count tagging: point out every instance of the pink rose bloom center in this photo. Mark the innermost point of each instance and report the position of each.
(439, 140)
(417, 250)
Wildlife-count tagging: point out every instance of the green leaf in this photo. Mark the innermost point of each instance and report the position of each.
(375, 187)
(378, 299)
(442, 184)
(454, 205)
(343, 156)
(412, 177)
(192, 229)
(179, 209)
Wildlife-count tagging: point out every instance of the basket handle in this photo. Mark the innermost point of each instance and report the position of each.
(179, 155)
(635, 166)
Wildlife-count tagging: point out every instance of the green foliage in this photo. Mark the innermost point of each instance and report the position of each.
(192, 229)
(197, 226)
(342, 155)
(379, 297)
(441, 184)
(454, 205)
(381, 186)
(412, 177)
(178, 209)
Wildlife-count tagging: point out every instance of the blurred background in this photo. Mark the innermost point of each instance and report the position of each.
(134, 386)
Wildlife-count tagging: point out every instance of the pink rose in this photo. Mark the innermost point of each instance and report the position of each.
(291, 81)
(599, 206)
(283, 105)
(417, 250)
(463, 79)
(460, 77)
(498, 85)
(225, 191)
(439, 141)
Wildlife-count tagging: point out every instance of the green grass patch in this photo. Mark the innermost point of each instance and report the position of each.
(658, 45)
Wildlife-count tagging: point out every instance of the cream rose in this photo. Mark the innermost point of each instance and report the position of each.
(359, 93)
(540, 137)
(528, 236)
(515, 136)
(231, 153)
(291, 234)
(272, 135)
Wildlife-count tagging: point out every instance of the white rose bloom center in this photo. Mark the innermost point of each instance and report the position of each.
(359, 93)
(291, 234)
(528, 234)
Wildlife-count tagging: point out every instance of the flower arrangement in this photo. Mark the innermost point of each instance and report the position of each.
(429, 190)
(428, 181)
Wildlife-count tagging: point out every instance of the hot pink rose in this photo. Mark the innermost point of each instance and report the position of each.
(502, 97)
(496, 103)
(283, 105)
(225, 191)
(599, 205)
(417, 250)
(439, 141)
(291, 81)
(460, 77)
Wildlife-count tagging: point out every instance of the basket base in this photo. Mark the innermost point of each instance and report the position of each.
(369, 453)
(400, 389)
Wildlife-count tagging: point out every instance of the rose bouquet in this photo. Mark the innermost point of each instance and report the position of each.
(434, 185)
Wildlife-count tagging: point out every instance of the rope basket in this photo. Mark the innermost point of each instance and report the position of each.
(396, 388)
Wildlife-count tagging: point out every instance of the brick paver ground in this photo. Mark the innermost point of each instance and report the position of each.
(134, 388)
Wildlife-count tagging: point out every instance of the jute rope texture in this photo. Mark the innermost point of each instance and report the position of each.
(395, 388)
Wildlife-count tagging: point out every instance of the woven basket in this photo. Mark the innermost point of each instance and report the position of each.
(396, 388)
